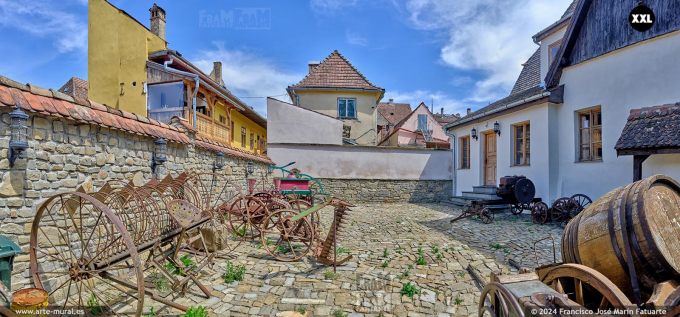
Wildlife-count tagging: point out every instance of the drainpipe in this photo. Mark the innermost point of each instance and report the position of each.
(453, 157)
(197, 83)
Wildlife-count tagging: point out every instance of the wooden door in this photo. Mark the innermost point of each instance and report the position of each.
(490, 159)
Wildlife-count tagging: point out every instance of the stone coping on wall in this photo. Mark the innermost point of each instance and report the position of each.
(52, 103)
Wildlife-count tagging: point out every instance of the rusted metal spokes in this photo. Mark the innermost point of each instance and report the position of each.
(284, 238)
(584, 286)
(246, 214)
(497, 300)
(75, 238)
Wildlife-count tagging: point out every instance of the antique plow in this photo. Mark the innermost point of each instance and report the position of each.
(106, 251)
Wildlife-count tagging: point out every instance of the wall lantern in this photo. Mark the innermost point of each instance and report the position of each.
(18, 134)
(159, 153)
(219, 161)
(497, 128)
(250, 169)
(473, 133)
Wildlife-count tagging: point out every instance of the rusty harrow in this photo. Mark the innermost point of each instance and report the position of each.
(108, 250)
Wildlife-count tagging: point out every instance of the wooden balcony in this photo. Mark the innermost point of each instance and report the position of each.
(210, 129)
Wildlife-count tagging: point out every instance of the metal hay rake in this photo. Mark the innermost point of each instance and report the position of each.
(106, 251)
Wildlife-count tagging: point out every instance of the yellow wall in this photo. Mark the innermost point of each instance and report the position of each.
(241, 121)
(118, 48)
(326, 102)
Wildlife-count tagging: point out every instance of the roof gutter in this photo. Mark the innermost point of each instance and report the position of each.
(488, 113)
(539, 36)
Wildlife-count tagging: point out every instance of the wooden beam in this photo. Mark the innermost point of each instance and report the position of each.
(637, 166)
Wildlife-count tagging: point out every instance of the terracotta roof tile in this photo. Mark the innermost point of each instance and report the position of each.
(335, 71)
(229, 150)
(38, 100)
(75, 87)
(394, 112)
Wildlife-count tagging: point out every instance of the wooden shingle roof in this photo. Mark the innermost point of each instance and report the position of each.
(335, 71)
(651, 130)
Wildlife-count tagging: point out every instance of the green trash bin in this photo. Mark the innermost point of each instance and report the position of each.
(8, 249)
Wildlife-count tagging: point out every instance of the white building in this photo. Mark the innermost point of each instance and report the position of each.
(561, 122)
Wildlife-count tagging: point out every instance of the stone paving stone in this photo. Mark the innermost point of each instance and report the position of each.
(391, 244)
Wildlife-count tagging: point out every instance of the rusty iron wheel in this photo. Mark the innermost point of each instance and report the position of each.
(286, 239)
(497, 300)
(486, 215)
(585, 286)
(82, 254)
(582, 200)
(539, 213)
(246, 214)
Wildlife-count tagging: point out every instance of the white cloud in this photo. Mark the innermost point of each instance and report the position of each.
(490, 36)
(46, 19)
(247, 74)
(440, 99)
(354, 38)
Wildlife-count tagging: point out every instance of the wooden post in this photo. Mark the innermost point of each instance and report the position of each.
(637, 166)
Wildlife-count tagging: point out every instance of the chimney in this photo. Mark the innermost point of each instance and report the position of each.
(217, 72)
(391, 100)
(442, 111)
(157, 21)
(312, 64)
(469, 110)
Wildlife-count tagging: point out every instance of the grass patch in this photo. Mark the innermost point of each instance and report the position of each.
(421, 257)
(385, 253)
(329, 275)
(302, 310)
(187, 262)
(234, 272)
(409, 290)
(341, 250)
(385, 263)
(339, 313)
(405, 274)
(93, 305)
(457, 301)
(196, 311)
(151, 313)
(159, 281)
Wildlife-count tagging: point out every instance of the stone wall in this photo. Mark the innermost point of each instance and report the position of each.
(64, 155)
(383, 191)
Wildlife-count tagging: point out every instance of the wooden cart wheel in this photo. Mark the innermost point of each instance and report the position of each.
(585, 286)
(246, 214)
(286, 239)
(82, 254)
(539, 213)
(486, 215)
(582, 200)
(497, 300)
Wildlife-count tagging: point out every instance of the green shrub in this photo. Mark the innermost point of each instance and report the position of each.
(339, 313)
(457, 301)
(186, 261)
(409, 290)
(329, 275)
(93, 305)
(159, 281)
(234, 272)
(196, 311)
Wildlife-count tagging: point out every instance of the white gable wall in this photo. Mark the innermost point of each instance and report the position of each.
(642, 75)
(540, 148)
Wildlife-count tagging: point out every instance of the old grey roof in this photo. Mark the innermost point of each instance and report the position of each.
(651, 128)
(531, 73)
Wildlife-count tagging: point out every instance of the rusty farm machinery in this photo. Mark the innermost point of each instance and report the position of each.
(112, 248)
(621, 257)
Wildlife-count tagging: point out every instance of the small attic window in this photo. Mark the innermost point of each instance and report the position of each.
(552, 50)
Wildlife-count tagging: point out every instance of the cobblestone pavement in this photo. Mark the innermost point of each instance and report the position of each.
(388, 241)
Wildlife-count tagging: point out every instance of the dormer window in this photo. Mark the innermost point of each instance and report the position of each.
(552, 51)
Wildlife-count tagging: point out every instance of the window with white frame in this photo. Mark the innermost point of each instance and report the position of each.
(347, 108)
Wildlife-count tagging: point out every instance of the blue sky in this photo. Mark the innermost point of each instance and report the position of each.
(457, 53)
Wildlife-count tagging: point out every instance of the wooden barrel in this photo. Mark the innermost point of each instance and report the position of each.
(631, 235)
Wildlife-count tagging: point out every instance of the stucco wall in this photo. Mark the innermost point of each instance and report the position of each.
(63, 155)
(642, 75)
(412, 124)
(539, 168)
(287, 123)
(363, 127)
(364, 162)
(118, 47)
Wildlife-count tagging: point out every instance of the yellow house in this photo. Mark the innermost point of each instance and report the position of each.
(131, 68)
(335, 88)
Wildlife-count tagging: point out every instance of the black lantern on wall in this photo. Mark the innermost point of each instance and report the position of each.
(497, 128)
(18, 141)
(473, 133)
(219, 161)
(159, 153)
